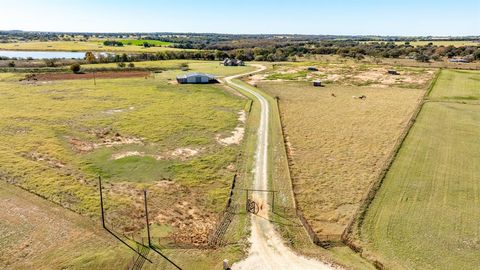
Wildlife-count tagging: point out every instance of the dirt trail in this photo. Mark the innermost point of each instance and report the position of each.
(267, 250)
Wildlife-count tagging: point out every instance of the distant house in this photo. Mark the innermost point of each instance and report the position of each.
(231, 62)
(457, 60)
(312, 69)
(393, 72)
(317, 83)
(196, 78)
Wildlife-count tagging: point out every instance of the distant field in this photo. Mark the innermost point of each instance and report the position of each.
(351, 73)
(456, 43)
(136, 133)
(337, 145)
(425, 215)
(95, 46)
(457, 85)
(137, 42)
(212, 67)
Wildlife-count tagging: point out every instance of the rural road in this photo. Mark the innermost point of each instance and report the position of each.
(267, 250)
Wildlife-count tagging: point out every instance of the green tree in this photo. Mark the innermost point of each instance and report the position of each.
(90, 57)
(75, 68)
(422, 58)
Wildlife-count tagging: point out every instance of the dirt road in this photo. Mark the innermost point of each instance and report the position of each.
(267, 250)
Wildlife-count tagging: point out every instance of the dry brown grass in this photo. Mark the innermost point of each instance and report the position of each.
(337, 145)
(37, 234)
(349, 73)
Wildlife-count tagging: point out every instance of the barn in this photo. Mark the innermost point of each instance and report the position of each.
(196, 78)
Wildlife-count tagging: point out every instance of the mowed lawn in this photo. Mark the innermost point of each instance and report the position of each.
(57, 136)
(338, 144)
(426, 214)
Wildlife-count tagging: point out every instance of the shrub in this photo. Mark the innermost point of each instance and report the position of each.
(11, 64)
(121, 64)
(422, 58)
(75, 68)
(131, 65)
(50, 62)
(184, 66)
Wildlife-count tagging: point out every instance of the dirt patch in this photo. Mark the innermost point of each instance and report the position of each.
(236, 138)
(191, 224)
(184, 153)
(106, 137)
(35, 156)
(256, 78)
(170, 204)
(237, 134)
(127, 154)
(114, 111)
(179, 153)
(72, 76)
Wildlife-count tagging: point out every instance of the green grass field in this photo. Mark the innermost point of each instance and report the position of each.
(58, 135)
(140, 42)
(425, 215)
(94, 46)
(212, 67)
(186, 192)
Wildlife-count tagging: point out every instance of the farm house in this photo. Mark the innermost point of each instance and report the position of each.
(232, 62)
(196, 78)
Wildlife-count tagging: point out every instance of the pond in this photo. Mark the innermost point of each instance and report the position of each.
(42, 54)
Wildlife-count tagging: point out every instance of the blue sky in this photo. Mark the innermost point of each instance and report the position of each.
(388, 17)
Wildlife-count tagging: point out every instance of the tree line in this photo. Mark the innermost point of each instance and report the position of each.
(290, 52)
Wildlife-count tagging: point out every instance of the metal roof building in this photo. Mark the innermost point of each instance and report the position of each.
(196, 78)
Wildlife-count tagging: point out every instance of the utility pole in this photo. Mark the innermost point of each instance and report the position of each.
(101, 200)
(94, 81)
(146, 217)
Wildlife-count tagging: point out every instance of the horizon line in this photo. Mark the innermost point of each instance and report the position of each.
(246, 34)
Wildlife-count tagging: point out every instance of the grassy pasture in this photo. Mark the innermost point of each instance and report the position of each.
(351, 73)
(337, 145)
(457, 85)
(284, 217)
(212, 67)
(425, 215)
(140, 42)
(95, 46)
(45, 127)
(51, 237)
